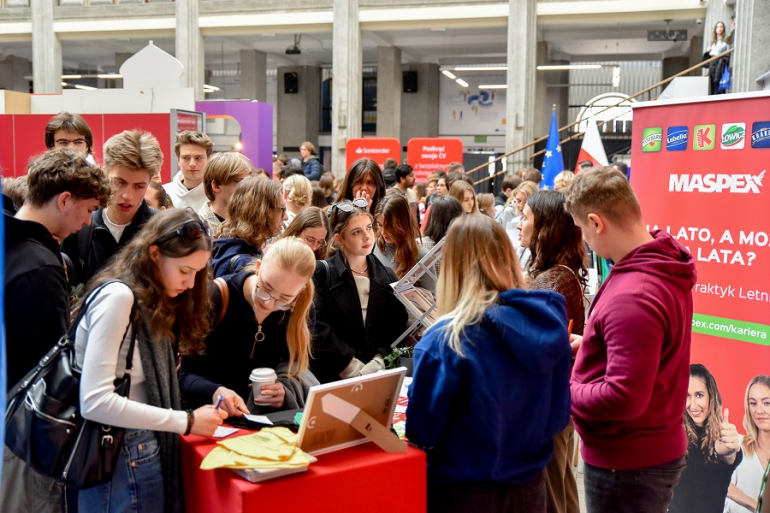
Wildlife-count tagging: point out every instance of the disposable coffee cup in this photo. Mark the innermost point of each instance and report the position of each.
(259, 377)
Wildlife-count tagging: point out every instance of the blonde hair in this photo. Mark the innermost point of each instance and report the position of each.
(309, 147)
(299, 190)
(250, 211)
(224, 168)
(605, 191)
(563, 179)
(292, 255)
(751, 440)
(135, 149)
(485, 201)
(470, 282)
(458, 190)
(196, 138)
(528, 188)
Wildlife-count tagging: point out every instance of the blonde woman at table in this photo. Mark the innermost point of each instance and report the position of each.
(746, 481)
(160, 295)
(488, 447)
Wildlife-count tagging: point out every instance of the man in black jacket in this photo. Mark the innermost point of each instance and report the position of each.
(131, 159)
(63, 192)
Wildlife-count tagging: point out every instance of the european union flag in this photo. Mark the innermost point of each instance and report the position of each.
(553, 163)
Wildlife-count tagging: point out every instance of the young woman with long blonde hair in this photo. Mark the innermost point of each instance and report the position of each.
(491, 378)
(298, 194)
(266, 324)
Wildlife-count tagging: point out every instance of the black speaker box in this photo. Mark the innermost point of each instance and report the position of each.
(410, 81)
(290, 83)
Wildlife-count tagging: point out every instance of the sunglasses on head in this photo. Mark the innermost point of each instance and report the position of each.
(192, 229)
(347, 205)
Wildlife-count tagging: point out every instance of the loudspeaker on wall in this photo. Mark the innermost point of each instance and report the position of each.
(410, 81)
(290, 83)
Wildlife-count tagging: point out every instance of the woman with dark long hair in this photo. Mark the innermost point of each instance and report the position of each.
(158, 293)
(445, 210)
(558, 264)
(397, 245)
(713, 451)
(363, 180)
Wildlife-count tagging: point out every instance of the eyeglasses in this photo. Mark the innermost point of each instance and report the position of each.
(192, 229)
(315, 244)
(65, 143)
(281, 304)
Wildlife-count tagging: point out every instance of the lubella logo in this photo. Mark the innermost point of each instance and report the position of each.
(733, 136)
(652, 139)
(704, 138)
(676, 138)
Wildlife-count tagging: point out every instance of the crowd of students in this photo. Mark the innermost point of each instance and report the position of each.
(304, 287)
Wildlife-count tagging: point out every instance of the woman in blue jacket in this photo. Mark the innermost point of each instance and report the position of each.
(491, 378)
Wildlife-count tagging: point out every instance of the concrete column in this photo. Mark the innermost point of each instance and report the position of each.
(419, 111)
(674, 65)
(299, 115)
(550, 88)
(519, 104)
(346, 80)
(13, 69)
(696, 55)
(189, 46)
(389, 90)
(254, 75)
(751, 59)
(46, 49)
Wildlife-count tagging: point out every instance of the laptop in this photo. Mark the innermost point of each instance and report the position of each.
(376, 394)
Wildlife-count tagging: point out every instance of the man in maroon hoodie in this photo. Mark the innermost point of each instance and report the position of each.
(629, 383)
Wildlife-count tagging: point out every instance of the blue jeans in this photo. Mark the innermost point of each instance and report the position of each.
(641, 490)
(136, 485)
(529, 497)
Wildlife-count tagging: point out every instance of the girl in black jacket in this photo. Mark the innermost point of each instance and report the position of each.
(357, 314)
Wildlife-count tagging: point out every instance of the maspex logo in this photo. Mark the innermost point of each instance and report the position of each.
(738, 183)
(733, 136)
(676, 138)
(652, 139)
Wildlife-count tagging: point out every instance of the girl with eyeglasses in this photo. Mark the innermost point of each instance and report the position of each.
(157, 291)
(357, 314)
(255, 213)
(491, 378)
(397, 245)
(267, 323)
(363, 181)
(312, 226)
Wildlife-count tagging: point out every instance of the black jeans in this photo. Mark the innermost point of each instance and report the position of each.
(641, 490)
(529, 497)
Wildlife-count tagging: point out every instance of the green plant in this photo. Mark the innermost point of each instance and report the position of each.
(393, 360)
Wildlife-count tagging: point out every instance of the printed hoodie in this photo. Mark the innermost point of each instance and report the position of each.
(182, 197)
(491, 415)
(232, 254)
(629, 384)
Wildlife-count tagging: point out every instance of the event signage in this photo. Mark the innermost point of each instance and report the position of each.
(713, 197)
(379, 149)
(676, 138)
(430, 154)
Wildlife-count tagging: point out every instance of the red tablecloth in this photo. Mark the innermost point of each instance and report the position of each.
(357, 479)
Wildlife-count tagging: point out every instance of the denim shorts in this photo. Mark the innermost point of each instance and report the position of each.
(136, 485)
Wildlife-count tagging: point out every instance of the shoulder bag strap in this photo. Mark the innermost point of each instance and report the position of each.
(224, 292)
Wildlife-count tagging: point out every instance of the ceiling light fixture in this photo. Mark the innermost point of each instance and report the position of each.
(493, 86)
(449, 74)
(569, 67)
(85, 87)
(71, 77)
(211, 87)
(110, 76)
(462, 82)
(481, 68)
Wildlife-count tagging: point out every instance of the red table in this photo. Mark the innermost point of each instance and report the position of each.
(361, 478)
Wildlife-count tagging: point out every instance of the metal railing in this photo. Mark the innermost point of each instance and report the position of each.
(579, 134)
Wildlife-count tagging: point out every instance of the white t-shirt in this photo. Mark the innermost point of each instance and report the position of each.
(115, 229)
(748, 478)
(182, 197)
(101, 350)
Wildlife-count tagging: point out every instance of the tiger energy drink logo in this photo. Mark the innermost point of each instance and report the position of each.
(704, 137)
(676, 138)
(733, 136)
(760, 134)
(652, 139)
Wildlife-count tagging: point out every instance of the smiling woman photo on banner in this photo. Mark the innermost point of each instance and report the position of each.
(713, 451)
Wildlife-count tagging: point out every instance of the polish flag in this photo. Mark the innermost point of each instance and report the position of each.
(592, 148)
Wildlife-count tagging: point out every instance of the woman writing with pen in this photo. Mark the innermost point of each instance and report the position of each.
(558, 264)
